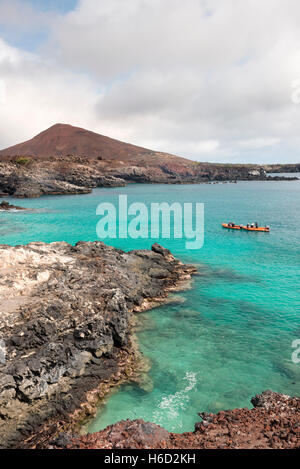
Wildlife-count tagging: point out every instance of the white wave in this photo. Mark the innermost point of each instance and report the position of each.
(170, 406)
(12, 210)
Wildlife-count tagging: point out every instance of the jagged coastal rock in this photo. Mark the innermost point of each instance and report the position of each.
(78, 175)
(6, 206)
(273, 423)
(66, 328)
(66, 339)
(52, 178)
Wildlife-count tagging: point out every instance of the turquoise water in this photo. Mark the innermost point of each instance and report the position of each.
(229, 336)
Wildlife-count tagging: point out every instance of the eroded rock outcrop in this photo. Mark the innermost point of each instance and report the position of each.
(79, 175)
(55, 177)
(6, 206)
(66, 326)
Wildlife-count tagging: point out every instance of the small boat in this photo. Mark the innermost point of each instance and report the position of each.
(231, 226)
(266, 229)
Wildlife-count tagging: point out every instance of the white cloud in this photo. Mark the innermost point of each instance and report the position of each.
(21, 17)
(2, 92)
(205, 79)
(37, 95)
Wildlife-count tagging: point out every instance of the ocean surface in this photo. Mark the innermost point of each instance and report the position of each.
(230, 335)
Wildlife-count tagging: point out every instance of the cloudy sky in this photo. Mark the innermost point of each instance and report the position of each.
(207, 79)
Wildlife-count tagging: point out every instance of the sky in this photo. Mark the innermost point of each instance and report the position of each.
(209, 80)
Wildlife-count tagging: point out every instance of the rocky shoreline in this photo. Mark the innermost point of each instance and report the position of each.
(57, 177)
(282, 168)
(79, 175)
(67, 315)
(70, 160)
(272, 423)
(67, 340)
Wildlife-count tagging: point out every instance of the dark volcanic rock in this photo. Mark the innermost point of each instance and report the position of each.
(7, 206)
(283, 168)
(66, 315)
(55, 177)
(77, 175)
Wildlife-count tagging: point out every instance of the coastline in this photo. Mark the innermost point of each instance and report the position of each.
(71, 175)
(71, 422)
(58, 376)
(272, 423)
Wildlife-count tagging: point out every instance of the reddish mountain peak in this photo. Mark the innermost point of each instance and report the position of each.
(70, 129)
(64, 139)
(59, 124)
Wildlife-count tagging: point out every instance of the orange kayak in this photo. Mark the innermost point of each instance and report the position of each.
(260, 228)
(235, 227)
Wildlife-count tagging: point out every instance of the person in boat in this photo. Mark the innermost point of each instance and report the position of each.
(256, 225)
(247, 225)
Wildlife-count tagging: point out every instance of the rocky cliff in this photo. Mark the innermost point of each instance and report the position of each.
(30, 177)
(66, 328)
(282, 168)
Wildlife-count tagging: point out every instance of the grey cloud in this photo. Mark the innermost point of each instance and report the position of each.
(22, 16)
(203, 78)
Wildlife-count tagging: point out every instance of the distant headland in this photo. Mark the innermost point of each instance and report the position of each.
(69, 160)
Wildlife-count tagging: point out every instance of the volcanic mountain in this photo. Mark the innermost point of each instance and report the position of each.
(63, 140)
(70, 160)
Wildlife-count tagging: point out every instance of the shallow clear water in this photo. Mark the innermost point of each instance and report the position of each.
(227, 338)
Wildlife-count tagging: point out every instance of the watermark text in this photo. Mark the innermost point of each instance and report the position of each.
(160, 220)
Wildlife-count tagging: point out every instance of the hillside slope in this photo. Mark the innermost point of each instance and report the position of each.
(69, 160)
(63, 140)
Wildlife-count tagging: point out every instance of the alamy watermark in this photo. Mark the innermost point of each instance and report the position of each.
(296, 353)
(2, 352)
(2, 92)
(161, 220)
(295, 96)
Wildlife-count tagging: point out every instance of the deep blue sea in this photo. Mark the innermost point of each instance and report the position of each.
(230, 335)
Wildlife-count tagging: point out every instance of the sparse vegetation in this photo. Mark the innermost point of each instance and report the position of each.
(23, 161)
